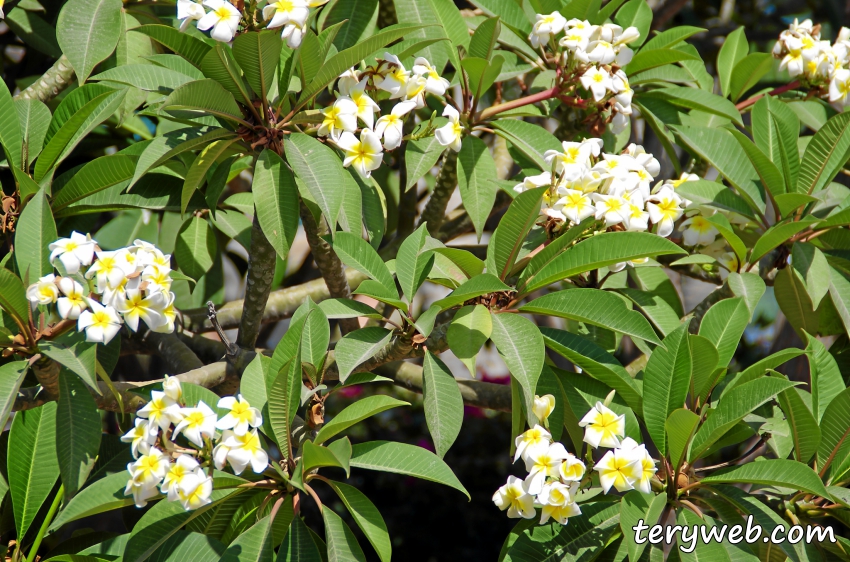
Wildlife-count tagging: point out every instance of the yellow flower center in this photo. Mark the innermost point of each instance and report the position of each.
(598, 77)
(101, 319)
(70, 246)
(284, 6)
(148, 465)
(613, 205)
(222, 13)
(195, 419)
(700, 224)
(668, 208)
(241, 411)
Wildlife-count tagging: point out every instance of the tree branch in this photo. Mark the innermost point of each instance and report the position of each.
(435, 210)
(328, 263)
(178, 357)
(258, 284)
(722, 292)
(57, 78)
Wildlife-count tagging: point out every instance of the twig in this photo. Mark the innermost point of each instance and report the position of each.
(435, 210)
(258, 284)
(775, 92)
(176, 354)
(52, 83)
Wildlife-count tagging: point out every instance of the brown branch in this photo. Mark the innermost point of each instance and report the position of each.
(46, 371)
(775, 92)
(57, 78)
(178, 357)
(722, 292)
(435, 210)
(258, 284)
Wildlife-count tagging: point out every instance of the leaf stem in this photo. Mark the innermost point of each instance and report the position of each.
(775, 92)
(513, 104)
(54, 507)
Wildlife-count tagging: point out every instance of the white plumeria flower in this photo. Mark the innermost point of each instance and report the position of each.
(613, 208)
(450, 134)
(542, 464)
(647, 464)
(172, 388)
(150, 468)
(543, 405)
(602, 427)
(157, 279)
(573, 160)
(545, 27)
(576, 206)
(793, 61)
(533, 182)
(391, 126)
(646, 160)
(533, 439)
(181, 476)
(339, 118)
(347, 80)
(189, 11)
(366, 106)
(162, 410)
(44, 291)
(619, 122)
(839, 89)
(620, 469)
(198, 496)
(415, 90)
(101, 324)
(636, 220)
(365, 154)
(514, 497)
(617, 165)
(73, 252)
(395, 78)
(141, 492)
(141, 437)
(168, 315)
(110, 269)
(136, 307)
(148, 254)
(558, 503)
(434, 83)
(223, 19)
(316, 3)
(597, 82)
(114, 296)
(572, 469)
(241, 416)
(244, 450)
(698, 231)
(221, 450)
(664, 209)
(284, 12)
(197, 423)
(293, 33)
(74, 301)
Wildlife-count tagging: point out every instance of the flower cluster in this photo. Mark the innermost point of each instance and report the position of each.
(184, 473)
(595, 54)
(553, 474)
(628, 465)
(355, 108)
(821, 64)
(223, 18)
(118, 287)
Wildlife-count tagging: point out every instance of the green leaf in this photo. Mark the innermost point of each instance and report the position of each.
(401, 458)
(635, 13)
(452, 22)
(13, 297)
(258, 54)
(33, 118)
(680, 426)
(825, 376)
(357, 20)
(88, 31)
(795, 302)
(723, 325)
(171, 144)
(74, 129)
(220, 65)
(839, 291)
(484, 39)
(148, 77)
(748, 286)
(298, 545)
(703, 366)
(748, 72)
(11, 376)
(359, 346)
(96, 175)
(34, 468)
(100, 496)
(521, 345)
(314, 456)
(276, 201)
(202, 97)
(775, 130)
(470, 329)
(475, 174)
(413, 263)
(34, 31)
(347, 58)
(773, 472)
(595, 307)
(718, 148)
(732, 407)
(77, 355)
(724, 227)
(671, 37)
(666, 381)
(596, 362)
(654, 308)
(600, 251)
(508, 11)
(834, 447)
(419, 157)
(804, 427)
(355, 252)
(733, 50)
(196, 247)
(284, 397)
(367, 517)
(34, 231)
(78, 431)
(10, 131)
(759, 368)
(692, 98)
(476, 286)
(443, 403)
(254, 545)
(355, 413)
(342, 544)
(197, 172)
(825, 155)
(647, 59)
(336, 309)
(767, 171)
(532, 140)
(320, 169)
(507, 239)
(777, 235)
(787, 203)
(634, 508)
(189, 47)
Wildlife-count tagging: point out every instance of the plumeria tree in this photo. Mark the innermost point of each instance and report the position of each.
(262, 197)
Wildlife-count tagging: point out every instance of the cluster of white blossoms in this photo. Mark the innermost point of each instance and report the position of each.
(817, 61)
(627, 466)
(184, 473)
(118, 287)
(555, 475)
(596, 55)
(355, 109)
(223, 18)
